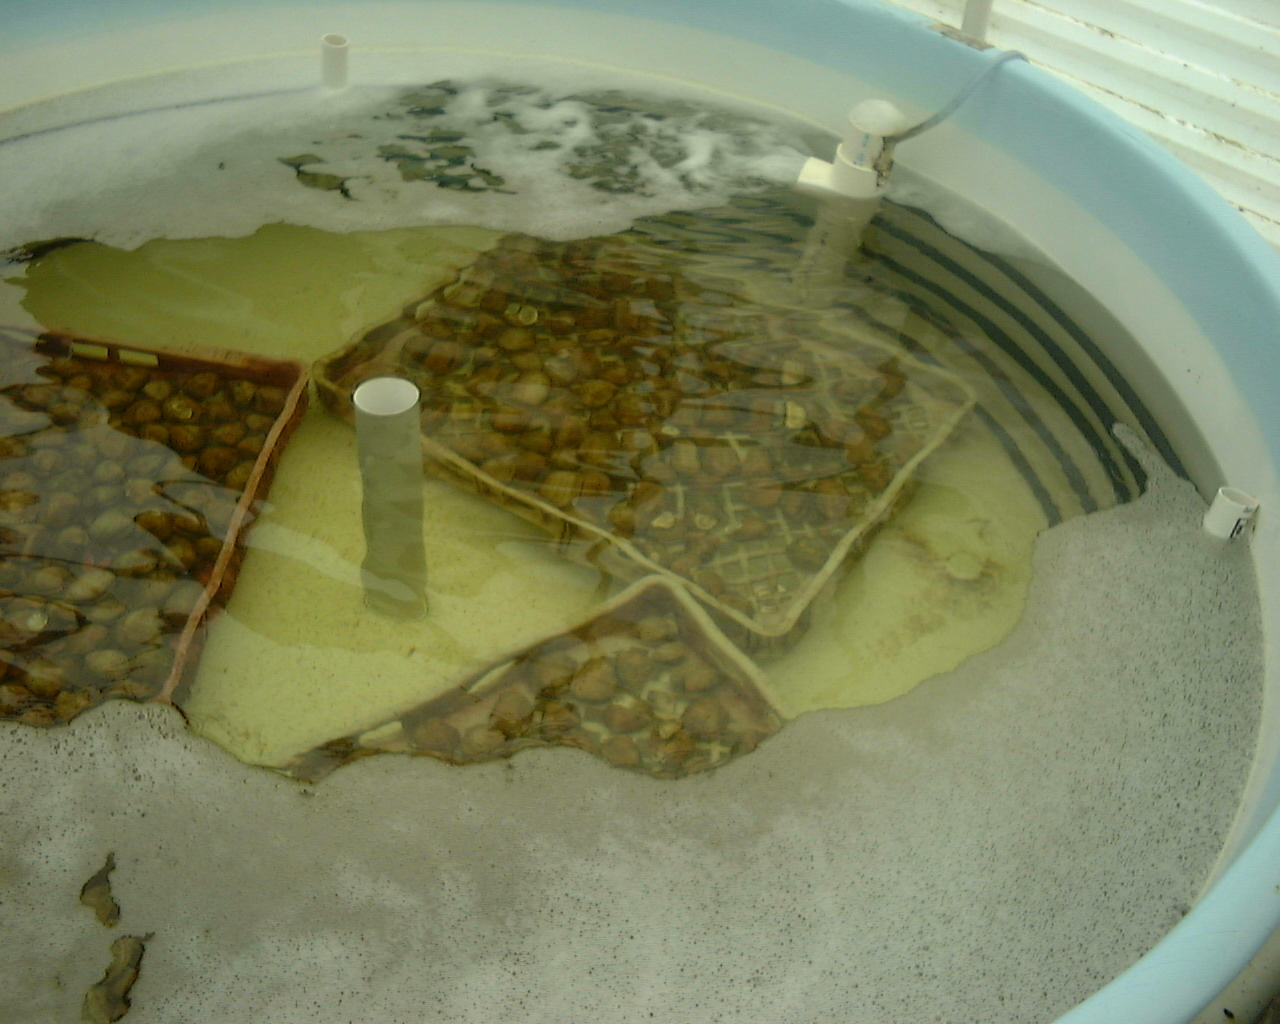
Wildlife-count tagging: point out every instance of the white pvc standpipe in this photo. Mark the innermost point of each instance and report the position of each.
(394, 572)
(849, 187)
(977, 19)
(333, 61)
(832, 243)
(1230, 513)
(857, 171)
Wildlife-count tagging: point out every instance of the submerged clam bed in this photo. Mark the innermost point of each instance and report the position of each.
(699, 509)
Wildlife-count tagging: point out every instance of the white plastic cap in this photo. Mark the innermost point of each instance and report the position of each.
(878, 117)
(333, 61)
(856, 171)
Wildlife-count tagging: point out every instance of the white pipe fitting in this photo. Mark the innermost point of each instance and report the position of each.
(861, 166)
(389, 442)
(1230, 514)
(333, 61)
(976, 20)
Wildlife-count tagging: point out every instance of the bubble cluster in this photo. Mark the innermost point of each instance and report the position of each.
(560, 163)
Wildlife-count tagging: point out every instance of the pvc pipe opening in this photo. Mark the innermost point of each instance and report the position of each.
(385, 396)
(333, 61)
(394, 570)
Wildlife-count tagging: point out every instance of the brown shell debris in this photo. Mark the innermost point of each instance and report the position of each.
(122, 511)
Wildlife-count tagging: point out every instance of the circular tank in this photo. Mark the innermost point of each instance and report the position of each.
(1188, 281)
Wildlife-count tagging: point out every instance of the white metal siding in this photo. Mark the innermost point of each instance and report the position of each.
(1201, 77)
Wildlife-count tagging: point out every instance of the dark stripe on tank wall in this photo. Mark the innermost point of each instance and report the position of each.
(1011, 348)
(1052, 514)
(1035, 298)
(1141, 413)
(1015, 397)
(722, 233)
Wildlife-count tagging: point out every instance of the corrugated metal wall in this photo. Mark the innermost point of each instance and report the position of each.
(1200, 76)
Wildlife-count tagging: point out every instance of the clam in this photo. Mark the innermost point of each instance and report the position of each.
(633, 666)
(181, 601)
(141, 627)
(434, 735)
(109, 525)
(512, 712)
(45, 678)
(108, 663)
(595, 681)
(621, 751)
(104, 610)
(624, 718)
(205, 385)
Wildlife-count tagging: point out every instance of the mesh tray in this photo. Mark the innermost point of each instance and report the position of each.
(648, 683)
(128, 478)
(656, 425)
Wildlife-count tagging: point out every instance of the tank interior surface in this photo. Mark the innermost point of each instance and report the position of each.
(817, 620)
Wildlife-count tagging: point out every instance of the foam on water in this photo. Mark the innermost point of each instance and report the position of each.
(540, 160)
(122, 177)
(979, 227)
(905, 862)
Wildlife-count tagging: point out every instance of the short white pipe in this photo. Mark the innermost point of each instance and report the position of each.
(388, 439)
(860, 169)
(831, 244)
(333, 61)
(977, 19)
(1230, 513)
(850, 187)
